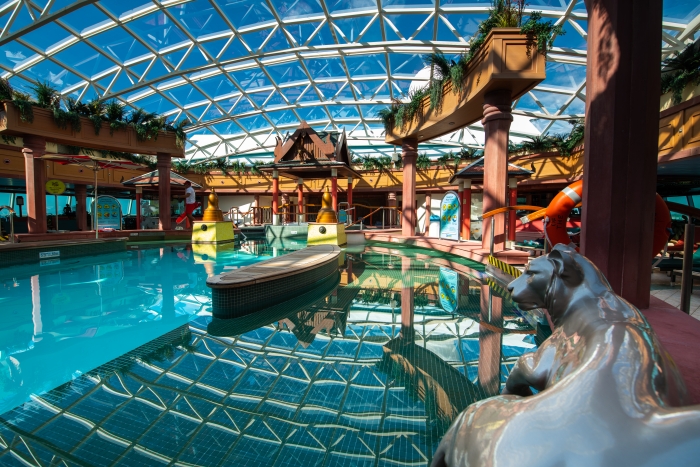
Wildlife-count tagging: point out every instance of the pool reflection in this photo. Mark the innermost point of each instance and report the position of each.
(368, 367)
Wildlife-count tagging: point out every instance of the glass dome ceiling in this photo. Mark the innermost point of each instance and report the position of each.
(246, 71)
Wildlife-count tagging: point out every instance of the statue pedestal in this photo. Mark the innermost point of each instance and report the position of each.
(326, 234)
(212, 232)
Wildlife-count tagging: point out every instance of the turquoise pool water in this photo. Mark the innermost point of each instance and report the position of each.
(116, 360)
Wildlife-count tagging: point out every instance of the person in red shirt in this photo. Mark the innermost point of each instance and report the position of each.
(190, 205)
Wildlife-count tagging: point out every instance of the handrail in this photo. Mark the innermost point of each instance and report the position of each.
(683, 209)
(381, 208)
(12, 221)
(539, 215)
(523, 207)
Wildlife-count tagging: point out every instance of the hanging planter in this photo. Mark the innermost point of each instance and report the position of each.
(505, 60)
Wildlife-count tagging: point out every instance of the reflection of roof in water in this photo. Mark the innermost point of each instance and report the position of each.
(261, 396)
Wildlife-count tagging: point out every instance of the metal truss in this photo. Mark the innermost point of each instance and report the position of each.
(246, 72)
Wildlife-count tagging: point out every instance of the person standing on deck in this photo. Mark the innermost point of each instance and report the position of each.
(190, 205)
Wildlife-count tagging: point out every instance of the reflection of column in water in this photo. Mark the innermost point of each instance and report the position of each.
(407, 297)
(490, 341)
(166, 268)
(463, 295)
(36, 309)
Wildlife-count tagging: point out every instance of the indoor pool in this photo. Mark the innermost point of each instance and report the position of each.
(116, 360)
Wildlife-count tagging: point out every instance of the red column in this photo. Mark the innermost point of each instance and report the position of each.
(35, 173)
(428, 212)
(81, 207)
(512, 201)
(466, 209)
(490, 341)
(350, 213)
(300, 198)
(407, 300)
(275, 196)
(621, 145)
(164, 165)
(138, 208)
(409, 153)
(496, 121)
(334, 188)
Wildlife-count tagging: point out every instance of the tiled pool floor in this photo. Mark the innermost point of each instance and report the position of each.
(368, 372)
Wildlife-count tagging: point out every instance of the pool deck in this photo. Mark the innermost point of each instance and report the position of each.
(679, 333)
(261, 285)
(470, 249)
(272, 269)
(132, 235)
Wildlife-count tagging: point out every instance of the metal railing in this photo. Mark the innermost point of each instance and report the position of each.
(12, 221)
(504, 210)
(394, 217)
(253, 216)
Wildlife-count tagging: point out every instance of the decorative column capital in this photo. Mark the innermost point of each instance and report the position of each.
(163, 159)
(409, 148)
(497, 106)
(334, 172)
(467, 184)
(33, 146)
(275, 174)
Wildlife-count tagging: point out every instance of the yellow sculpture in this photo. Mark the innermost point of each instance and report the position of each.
(326, 229)
(326, 215)
(212, 213)
(212, 228)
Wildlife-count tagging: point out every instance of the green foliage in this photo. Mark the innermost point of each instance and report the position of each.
(9, 139)
(254, 167)
(469, 154)
(25, 106)
(681, 70)
(64, 118)
(504, 13)
(507, 13)
(574, 139)
(540, 34)
(47, 96)
(564, 144)
(179, 129)
(181, 166)
(114, 115)
(5, 90)
(146, 125)
(423, 162)
(383, 163)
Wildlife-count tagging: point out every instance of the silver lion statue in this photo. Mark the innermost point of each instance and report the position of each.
(607, 394)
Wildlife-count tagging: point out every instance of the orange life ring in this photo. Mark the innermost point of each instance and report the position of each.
(560, 208)
(558, 213)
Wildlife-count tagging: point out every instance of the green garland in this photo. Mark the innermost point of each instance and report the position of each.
(681, 70)
(146, 125)
(564, 144)
(504, 13)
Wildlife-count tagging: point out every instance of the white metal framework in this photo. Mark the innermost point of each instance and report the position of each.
(247, 71)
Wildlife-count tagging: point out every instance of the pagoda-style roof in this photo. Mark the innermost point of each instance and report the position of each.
(151, 179)
(475, 171)
(311, 155)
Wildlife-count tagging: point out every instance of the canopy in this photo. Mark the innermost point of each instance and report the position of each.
(93, 163)
(151, 179)
(247, 71)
